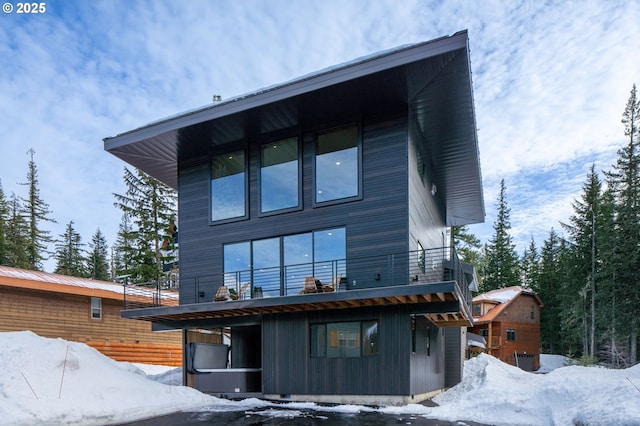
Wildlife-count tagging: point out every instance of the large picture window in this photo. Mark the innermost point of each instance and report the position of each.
(280, 265)
(337, 165)
(344, 339)
(228, 186)
(279, 175)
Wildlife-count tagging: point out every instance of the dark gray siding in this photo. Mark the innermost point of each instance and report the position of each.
(289, 369)
(428, 361)
(426, 218)
(456, 339)
(376, 224)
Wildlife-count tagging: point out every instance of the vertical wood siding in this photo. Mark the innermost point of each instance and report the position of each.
(289, 369)
(427, 367)
(426, 219)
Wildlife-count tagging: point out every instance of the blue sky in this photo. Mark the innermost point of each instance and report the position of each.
(551, 80)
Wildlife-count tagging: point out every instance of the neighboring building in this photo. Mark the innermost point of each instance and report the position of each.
(318, 212)
(84, 310)
(509, 320)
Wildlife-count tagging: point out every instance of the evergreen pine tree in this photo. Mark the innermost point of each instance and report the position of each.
(152, 206)
(467, 245)
(4, 221)
(68, 254)
(549, 286)
(124, 249)
(97, 262)
(17, 235)
(582, 231)
(36, 211)
(530, 265)
(625, 178)
(502, 268)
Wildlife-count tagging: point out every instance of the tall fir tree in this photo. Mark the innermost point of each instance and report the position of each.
(625, 178)
(152, 206)
(123, 249)
(582, 232)
(69, 253)
(530, 265)
(502, 266)
(4, 222)
(97, 260)
(37, 211)
(608, 289)
(547, 286)
(17, 235)
(469, 248)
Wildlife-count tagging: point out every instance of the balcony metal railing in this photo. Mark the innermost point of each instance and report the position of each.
(415, 267)
(148, 295)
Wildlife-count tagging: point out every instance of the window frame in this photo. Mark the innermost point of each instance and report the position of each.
(316, 136)
(314, 262)
(245, 153)
(274, 139)
(322, 348)
(511, 334)
(97, 309)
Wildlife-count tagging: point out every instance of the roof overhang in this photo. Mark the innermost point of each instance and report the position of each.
(430, 81)
(442, 303)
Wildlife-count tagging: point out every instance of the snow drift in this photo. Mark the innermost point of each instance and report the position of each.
(53, 381)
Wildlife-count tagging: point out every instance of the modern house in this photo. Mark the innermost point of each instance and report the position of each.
(314, 221)
(87, 311)
(509, 320)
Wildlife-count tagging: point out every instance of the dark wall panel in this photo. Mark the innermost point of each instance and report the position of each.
(427, 363)
(426, 221)
(376, 223)
(289, 369)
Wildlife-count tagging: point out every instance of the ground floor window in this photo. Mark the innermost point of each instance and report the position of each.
(344, 339)
(96, 308)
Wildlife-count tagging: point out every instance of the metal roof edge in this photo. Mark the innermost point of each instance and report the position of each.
(359, 67)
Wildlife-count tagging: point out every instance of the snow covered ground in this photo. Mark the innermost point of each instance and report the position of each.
(53, 381)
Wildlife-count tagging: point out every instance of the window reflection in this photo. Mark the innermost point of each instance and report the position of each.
(228, 186)
(266, 266)
(337, 165)
(328, 247)
(318, 254)
(237, 264)
(298, 258)
(279, 175)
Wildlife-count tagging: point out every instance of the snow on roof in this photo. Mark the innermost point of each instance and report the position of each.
(45, 277)
(501, 295)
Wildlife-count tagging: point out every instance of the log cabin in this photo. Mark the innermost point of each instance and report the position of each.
(509, 320)
(315, 221)
(87, 311)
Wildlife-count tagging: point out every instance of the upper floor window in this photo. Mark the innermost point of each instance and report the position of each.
(337, 165)
(511, 334)
(279, 175)
(228, 186)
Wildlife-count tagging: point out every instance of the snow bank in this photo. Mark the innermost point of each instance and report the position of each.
(53, 381)
(499, 394)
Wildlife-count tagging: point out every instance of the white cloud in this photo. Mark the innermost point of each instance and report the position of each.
(551, 81)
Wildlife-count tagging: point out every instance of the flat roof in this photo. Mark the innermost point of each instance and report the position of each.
(431, 79)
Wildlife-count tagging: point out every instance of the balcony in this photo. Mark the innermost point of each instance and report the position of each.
(433, 281)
